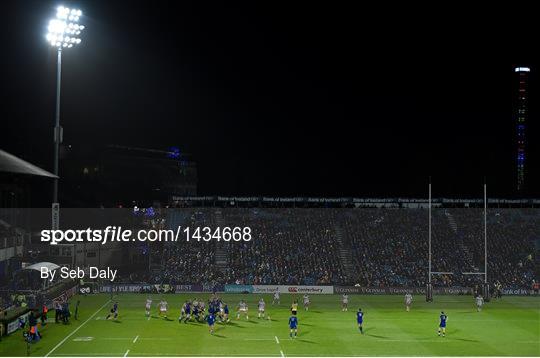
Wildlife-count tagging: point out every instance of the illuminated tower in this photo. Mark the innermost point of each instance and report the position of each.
(522, 114)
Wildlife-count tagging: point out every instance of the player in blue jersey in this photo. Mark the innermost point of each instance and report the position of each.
(226, 313)
(293, 325)
(360, 320)
(187, 311)
(197, 313)
(211, 319)
(184, 315)
(442, 325)
(114, 311)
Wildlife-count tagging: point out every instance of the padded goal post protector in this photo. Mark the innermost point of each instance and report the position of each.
(485, 292)
(429, 292)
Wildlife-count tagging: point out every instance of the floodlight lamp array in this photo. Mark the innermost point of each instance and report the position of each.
(64, 30)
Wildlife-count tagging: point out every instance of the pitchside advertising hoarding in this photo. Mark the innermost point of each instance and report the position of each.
(14, 325)
(126, 288)
(517, 292)
(419, 291)
(299, 289)
(314, 290)
(199, 288)
(161, 288)
(400, 290)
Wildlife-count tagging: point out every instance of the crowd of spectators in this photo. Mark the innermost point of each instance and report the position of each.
(344, 246)
(387, 247)
(184, 262)
(391, 246)
(511, 235)
(291, 246)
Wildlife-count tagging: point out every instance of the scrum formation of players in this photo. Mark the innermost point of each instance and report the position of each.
(219, 310)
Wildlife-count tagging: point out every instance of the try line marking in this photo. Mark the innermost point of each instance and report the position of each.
(160, 355)
(76, 329)
(281, 349)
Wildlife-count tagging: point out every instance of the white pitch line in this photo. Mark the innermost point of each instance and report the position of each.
(76, 329)
(125, 354)
(163, 355)
(88, 354)
(206, 355)
(281, 349)
(135, 340)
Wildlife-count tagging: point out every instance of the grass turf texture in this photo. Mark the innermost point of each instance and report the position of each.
(506, 327)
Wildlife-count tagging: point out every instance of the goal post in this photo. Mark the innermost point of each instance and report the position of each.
(429, 285)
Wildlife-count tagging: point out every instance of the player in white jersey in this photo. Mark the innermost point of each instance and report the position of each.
(148, 306)
(408, 301)
(345, 302)
(202, 307)
(479, 303)
(261, 306)
(242, 309)
(306, 302)
(276, 298)
(163, 307)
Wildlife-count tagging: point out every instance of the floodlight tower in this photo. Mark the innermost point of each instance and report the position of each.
(521, 121)
(64, 32)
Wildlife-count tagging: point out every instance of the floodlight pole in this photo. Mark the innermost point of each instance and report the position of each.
(429, 287)
(429, 233)
(57, 129)
(485, 235)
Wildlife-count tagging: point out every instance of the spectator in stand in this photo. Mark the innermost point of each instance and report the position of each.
(372, 247)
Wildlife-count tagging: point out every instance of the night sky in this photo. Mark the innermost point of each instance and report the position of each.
(286, 100)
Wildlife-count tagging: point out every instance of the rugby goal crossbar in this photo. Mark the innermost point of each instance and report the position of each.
(473, 273)
(453, 273)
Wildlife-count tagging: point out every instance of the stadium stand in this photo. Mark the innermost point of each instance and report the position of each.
(376, 247)
(388, 247)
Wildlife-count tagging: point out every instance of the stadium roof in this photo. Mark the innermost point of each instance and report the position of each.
(11, 164)
(49, 265)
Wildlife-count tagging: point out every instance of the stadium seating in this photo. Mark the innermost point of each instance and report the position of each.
(387, 247)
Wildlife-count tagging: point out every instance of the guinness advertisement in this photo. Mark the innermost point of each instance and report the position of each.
(418, 291)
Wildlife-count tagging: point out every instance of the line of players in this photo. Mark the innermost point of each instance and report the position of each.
(217, 309)
(197, 310)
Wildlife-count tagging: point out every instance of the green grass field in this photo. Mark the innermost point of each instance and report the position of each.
(508, 327)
